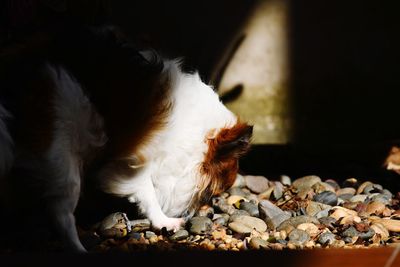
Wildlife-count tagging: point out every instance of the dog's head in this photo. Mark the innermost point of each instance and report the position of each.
(220, 166)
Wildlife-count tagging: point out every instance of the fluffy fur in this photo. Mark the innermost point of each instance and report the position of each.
(145, 129)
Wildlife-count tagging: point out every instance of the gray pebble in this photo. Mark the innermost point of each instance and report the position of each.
(358, 198)
(326, 238)
(199, 225)
(367, 235)
(298, 236)
(179, 235)
(372, 188)
(257, 184)
(251, 208)
(241, 222)
(385, 199)
(327, 221)
(314, 207)
(278, 190)
(220, 205)
(326, 197)
(350, 232)
(236, 191)
(272, 214)
(345, 197)
(293, 222)
(347, 239)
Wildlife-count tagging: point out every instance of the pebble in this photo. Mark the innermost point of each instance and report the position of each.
(375, 207)
(298, 236)
(220, 205)
(346, 190)
(239, 181)
(257, 184)
(310, 228)
(149, 234)
(285, 180)
(205, 211)
(245, 224)
(315, 207)
(327, 221)
(271, 214)
(306, 182)
(232, 200)
(326, 238)
(293, 222)
(326, 197)
(251, 208)
(221, 219)
(199, 225)
(368, 234)
(140, 225)
(350, 182)
(350, 232)
(179, 235)
(372, 188)
(358, 198)
(381, 230)
(363, 186)
(389, 224)
(257, 243)
(236, 191)
(278, 190)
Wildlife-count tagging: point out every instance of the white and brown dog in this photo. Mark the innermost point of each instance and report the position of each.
(82, 101)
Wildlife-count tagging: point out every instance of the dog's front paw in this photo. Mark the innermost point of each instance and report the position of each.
(169, 223)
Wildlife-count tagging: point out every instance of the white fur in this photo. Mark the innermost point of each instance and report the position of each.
(167, 183)
(6, 143)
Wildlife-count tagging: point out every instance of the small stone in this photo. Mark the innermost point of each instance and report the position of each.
(344, 197)
(153, 239)
(380, 198)
(278, 190)
(350, 219)
(257, 184)
(205, 211)
(221, 219)
(271, 214)
(314, 207)
(298, 236)
(389, 224)
(266, 194)
(305, 182)
(199, 225)
(310, 228)
(257, 243)
(326, 238)
(372, 188)
(234, 199)
(351, 182)
(115, 224)
(346, 190)
(375, 207)
(240, 228)
(350, 232)
(358, 198)
(326, 197)
(363, 186)
(221, 234)
(238, 213)
(179, 235)
(250, 222)
(340, 212)
(293, 222)
(140, 225)
(236, 191)
(239, 182)
(368, 234)
(381, 230)
(285, 180)
(251, 208)
(149, 234)
(220, 205)
(333, 183)
(327, 221)
(322, 186)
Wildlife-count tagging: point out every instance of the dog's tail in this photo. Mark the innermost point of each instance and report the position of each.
(6, 143)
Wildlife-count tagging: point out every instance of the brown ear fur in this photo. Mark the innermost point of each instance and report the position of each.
(220, 164)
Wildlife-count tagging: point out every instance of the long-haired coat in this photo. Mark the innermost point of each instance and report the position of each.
(83, 101)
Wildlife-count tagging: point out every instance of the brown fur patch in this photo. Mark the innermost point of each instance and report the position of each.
(220, 165)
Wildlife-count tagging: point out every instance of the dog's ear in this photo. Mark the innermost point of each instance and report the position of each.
(233, 142)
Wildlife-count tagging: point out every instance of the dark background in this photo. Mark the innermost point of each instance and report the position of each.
(344, 58)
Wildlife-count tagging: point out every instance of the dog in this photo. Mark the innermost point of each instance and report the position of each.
(83, 101)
